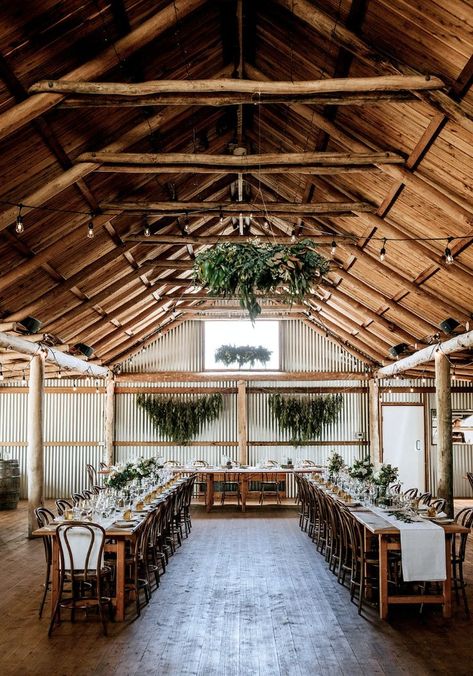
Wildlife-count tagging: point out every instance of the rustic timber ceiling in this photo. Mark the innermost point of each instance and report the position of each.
(231, 113)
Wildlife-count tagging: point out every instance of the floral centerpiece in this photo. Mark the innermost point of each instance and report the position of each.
(361, 469)
(121, 475)
(387, 474)
(335, 463)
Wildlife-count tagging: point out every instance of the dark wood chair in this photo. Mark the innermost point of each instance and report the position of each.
(459, 540)
(92, 475)
(43, 517)
(62, 504)
(81, 564)
(230, 487)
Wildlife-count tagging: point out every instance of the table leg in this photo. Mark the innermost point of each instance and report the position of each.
(54, 574)
(120, 581)
(244, 491)
(209, 496)
(447, 584)
(383, 577)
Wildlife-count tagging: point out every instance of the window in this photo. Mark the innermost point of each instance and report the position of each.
(238, 333)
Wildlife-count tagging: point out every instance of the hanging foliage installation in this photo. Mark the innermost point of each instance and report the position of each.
(246, 271)
(242, 354)
(305, 418)
(181, 420)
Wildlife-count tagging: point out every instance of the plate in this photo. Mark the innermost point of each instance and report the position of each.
(441, 519)
(124, 524)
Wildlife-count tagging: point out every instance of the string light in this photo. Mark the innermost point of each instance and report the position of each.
(2, 377)
(147, 231)
(221, 217)
(382, 251)
(293, 237)
(90, 229)
(448, 253)
(19, 226)
(334, 248)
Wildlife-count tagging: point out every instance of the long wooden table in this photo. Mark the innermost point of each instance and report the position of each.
(245, 475)
(389, 540)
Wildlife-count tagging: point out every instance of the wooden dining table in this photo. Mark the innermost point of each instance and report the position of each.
(245, 475)
(375, 526)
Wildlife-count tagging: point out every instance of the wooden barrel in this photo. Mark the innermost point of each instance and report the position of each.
(9, 484)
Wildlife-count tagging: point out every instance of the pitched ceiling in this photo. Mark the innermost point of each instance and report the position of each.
(118, 291)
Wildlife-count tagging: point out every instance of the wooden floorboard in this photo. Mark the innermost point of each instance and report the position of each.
(245, 595)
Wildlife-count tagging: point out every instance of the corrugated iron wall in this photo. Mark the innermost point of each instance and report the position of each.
(73, 436)
(74, 426)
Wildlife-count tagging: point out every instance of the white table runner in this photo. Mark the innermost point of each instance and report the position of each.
(422, 548)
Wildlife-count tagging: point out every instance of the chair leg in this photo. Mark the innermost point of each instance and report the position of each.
(46, 588)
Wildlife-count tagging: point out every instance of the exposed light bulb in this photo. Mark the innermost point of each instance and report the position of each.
(382, 252)
(293, 238)
(2, 377)
(334, 248)
(266, 225)
(19, 226)
(449, 256)
(90, 230)
(147, 231)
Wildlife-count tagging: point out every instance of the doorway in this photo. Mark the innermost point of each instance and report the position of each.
(403, 437)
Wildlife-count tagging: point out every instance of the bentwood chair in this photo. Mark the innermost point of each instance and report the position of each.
(43, 517)
(411, 493)
(463, 518)
(230, 487)
(62, 505)
(269, 486)
(92, 475)
(81, 564)
(438, 504)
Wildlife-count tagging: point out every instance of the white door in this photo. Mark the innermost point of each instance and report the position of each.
(403, 443)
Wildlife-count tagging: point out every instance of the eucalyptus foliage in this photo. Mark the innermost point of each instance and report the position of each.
(259, 268)
(243, 354)
(181, 420)
(305, 418)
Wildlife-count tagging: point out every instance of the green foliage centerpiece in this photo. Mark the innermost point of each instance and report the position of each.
(335, 464)
(305, 418)
(361, 469)
(122, 475)
(259, 268)
(181, 420)
(242, 354)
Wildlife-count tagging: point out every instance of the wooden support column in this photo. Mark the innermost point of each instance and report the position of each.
(375, 444)
(444, 427)
(35, 456)
(242, 423)
(110, 422)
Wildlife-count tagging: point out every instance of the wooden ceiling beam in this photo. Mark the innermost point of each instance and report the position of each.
(228, 239)
(21, 114)
(359, 99)
(379, 61)
(256, 208)
(239, 86)
(456, 344)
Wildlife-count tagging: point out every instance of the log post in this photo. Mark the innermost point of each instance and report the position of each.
(242, 423)
(444, 428)
(35, 457)
(375, 445)
(110, 422)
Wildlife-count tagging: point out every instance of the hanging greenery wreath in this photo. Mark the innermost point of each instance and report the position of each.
(246, 270)
(181, 420)
(243, 354)
(305, 418)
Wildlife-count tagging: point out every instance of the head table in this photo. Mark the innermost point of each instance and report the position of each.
(211, 475)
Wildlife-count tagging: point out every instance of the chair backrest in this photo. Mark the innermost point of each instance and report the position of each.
(43, 516)
(438, 504)
(62, 505)
(103, 465)
(171, 463)
(411, 493)
(200, 463)
(425, 498)
(308, 463)
(77, 497)
(81, 547)
(92, 474)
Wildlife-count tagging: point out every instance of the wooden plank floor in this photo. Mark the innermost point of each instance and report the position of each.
(245, 595)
